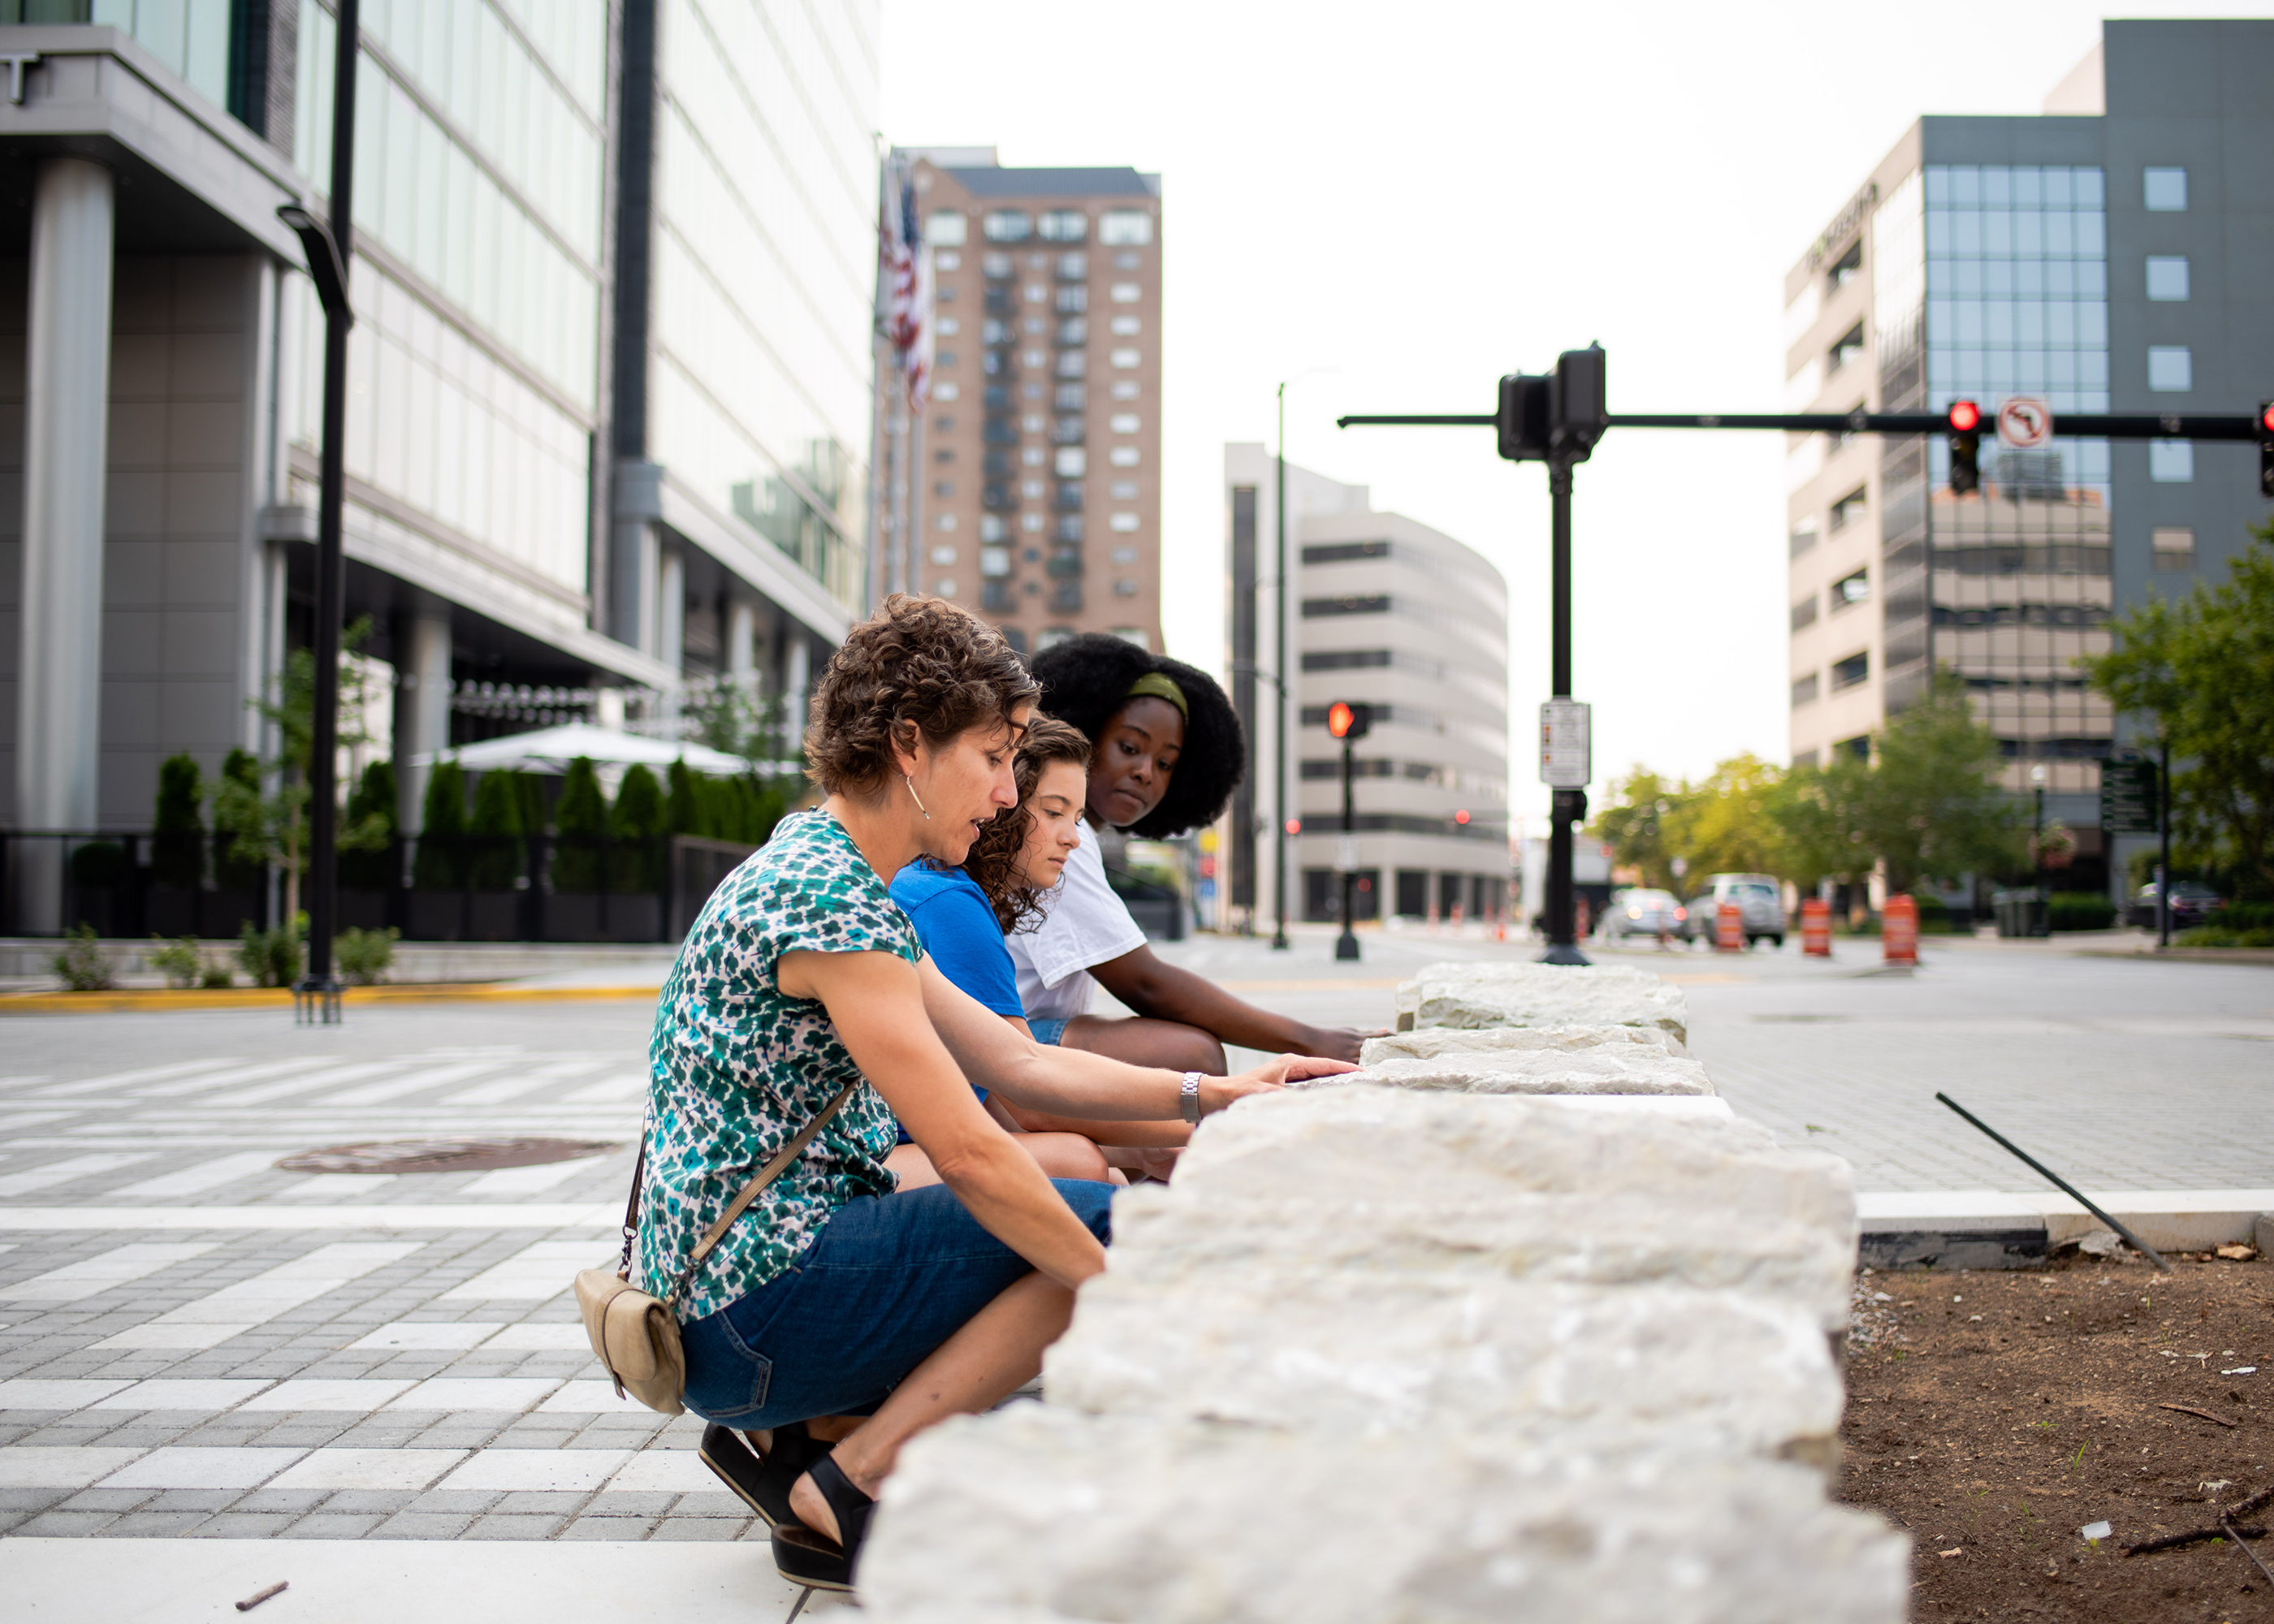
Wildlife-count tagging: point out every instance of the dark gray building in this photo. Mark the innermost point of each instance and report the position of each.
(2108, 255)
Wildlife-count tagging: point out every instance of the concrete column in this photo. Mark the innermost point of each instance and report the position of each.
(671, 609)
(66, 420)
(797, 655)
(422, 706)
(741, 637)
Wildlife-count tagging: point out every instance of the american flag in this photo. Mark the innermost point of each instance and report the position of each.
(908, 317)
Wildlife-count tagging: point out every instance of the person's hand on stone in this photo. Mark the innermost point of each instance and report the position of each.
(1341, 1042)
(1216, 1092)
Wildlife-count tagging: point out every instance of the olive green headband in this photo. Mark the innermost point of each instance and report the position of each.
(1155, 686)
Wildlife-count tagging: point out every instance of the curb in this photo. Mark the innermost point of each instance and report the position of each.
(1993, 1229)
(159, 1000)
(2262, 956)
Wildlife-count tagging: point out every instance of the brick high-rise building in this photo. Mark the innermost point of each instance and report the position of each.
(1036, 496)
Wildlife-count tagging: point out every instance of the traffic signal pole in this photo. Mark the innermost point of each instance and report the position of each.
(1567, 807)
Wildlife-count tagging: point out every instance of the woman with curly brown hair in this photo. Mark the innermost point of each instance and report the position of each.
(963, 913)
(800, 1020)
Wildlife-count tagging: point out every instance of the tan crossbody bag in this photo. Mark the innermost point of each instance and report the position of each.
(636, 1336)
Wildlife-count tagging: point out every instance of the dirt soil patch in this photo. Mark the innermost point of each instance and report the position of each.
(1993, 1415)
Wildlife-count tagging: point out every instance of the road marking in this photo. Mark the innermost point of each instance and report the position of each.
(119, 1079)
(536, 1273)
(432, 1076)
(204, 1177)
(191, 1466)
(616, 1090)
(67, 1172)
(274, 1068)
(529, 1082)
(528, 1180)
(604, 1217)
(77, 1281)
(371, 1468)
(267, 1092)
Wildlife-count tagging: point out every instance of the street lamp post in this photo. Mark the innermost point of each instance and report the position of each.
(1279, 731)
(328, 249)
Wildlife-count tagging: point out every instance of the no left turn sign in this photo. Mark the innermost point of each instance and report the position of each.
(2025, 423)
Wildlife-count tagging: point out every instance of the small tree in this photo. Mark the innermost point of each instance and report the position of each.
(372, 806)
(495, 863)
(1633, 823)
(1724, 826)
(177, 845)
(635, 823)
(581, 823)
(238, 863)
(441, 864)
(2203, 668)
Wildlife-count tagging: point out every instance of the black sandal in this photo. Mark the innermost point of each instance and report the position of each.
(762, 1481)
(804, 1557)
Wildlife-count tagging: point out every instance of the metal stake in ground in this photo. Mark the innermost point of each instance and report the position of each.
(2139, 1246)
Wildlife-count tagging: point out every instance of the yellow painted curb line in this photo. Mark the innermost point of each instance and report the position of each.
(158, 999)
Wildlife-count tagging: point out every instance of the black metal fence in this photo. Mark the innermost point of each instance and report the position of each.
(443, 888)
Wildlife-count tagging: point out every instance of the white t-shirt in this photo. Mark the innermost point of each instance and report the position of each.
(1083, 924)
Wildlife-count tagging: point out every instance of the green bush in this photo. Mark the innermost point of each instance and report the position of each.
(237, 820)
(365, 956)
(178, 847)
(493, 860)
(2247, 916)
(441, 864)
(636, 826)
(2080, 909)
(272, 957)
(180, 961)
(82, 966)
(371, 809)
(689, 809)
(98, 865)
(581, 823)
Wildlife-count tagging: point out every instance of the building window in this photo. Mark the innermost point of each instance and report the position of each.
(1122, 523)
(1123, 456)
(1125, 293)
(1858, 748)
(1065, 597)
(1125, 555)
(1348, 603)
(2166, 191)
(2170, 368)
(1125, 358)
(949, 327)
(1065, 225)
(1069, 527)
(946, 521)
(1125, 589)
(1073, 301)
(1032, 456)
(1009, 225)
(1124, 491)
(948, 260)
(1848, 506)
(1804, 536)
(1073, 364)
(2171, 547)
(1125, 227)
(1031, 522)
(1343, 552)
(997, 265)
(1126, 326)
(1069, 430)
(992, 528)
(1071, 462)
(1845, 268)
(1073, 267)
(1851, 590)
(945, 229)
(1804, 692)
(1847, 346)
(1125, 389)
(1070, 397)
(1851, 671)
(943, 589)
(1805, 758)
(1804, 613)
(1123, 423)
(2171, 461)
(2167, 278)
(943, 555)
(994, 561)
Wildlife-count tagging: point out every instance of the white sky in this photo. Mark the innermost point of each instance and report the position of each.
(1425, 196)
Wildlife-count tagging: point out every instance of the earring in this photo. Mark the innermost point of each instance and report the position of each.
(909, 780)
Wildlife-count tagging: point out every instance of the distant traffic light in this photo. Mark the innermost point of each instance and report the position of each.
(1522, 419)
(1347, 719)
(2266, 447)
(1461, 816)
(1578, 415)
(1965, 448)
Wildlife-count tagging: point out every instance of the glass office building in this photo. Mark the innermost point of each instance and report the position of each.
(608, 383)
(2085, 258)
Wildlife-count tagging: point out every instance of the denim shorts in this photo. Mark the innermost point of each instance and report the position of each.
(1049, 1029)
(891, 1278)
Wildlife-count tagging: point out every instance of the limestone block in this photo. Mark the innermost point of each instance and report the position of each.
(1037, 1515)
(1532, 995)
(1377, 1355)
(1511, 1188)
(1596, 1071)
(1440, 1040)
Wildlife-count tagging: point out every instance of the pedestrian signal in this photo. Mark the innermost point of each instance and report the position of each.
(1348, 720)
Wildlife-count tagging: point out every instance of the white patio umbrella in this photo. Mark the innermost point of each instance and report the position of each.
(551, 749)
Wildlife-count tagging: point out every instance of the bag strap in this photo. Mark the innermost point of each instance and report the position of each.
(631, 1210)
(749, 1192)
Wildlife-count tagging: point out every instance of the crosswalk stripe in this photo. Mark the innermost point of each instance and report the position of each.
(69, 1172)
(195, 1085)
(119, 1079)
(433, 1076)
(204, 1177)
(267, 1092)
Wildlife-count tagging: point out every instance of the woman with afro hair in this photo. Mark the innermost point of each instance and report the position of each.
(1167, 754)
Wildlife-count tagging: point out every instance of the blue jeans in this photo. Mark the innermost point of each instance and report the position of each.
(1049, 1029)
(891, 1278)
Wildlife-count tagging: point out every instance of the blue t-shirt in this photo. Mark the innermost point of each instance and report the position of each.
(958, 930)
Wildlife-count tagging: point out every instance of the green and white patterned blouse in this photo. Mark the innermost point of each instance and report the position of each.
(737, 1067)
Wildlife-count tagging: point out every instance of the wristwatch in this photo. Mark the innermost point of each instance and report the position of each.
(1188, 1098)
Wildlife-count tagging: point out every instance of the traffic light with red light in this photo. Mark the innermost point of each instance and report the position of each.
(1965, 448)
(2266, 448)
(1347, 719)
(1461, 816)
(1522, 419)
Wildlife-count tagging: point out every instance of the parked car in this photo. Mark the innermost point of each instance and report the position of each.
(2192, 903)
(1640, 911)
(1760, 903)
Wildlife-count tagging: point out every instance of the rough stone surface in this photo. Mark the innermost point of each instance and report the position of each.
(1502, 1188)
(1521, 994)
(1037, 1515)
(1596, 1071)
(1440, 1040)
(1624, 1366)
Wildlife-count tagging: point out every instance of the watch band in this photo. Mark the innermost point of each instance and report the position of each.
(1188, 1098)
